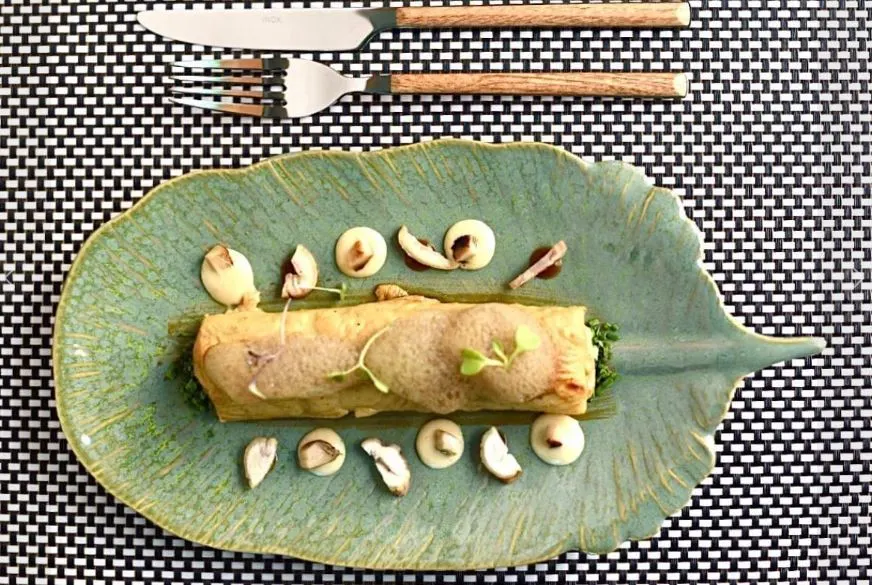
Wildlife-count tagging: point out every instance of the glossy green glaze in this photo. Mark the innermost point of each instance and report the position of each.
(633, 258)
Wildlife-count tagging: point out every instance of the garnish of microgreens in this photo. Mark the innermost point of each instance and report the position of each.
(340, 376)
(604, 335)
(474, 361)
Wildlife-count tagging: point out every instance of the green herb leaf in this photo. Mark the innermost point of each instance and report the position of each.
(471, 354)
(472, 366)
(337, 376)
(526, 340)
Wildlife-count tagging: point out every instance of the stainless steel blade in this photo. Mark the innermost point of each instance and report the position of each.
(305, 29)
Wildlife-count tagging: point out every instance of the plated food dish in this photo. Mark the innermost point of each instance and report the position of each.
(601, 468)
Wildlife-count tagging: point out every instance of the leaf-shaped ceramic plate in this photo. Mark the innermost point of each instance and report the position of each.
(633, 259)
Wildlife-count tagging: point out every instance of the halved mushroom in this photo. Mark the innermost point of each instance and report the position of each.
(391, 465)
(259, 459)
(496, 457)
(471, 243)
(321, 451)
(361, 252)
(439, 443)
(557, 439)
(227, 276)
(303, 276)
(426, 255)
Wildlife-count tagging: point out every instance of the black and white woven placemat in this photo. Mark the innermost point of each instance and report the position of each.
(771, 152)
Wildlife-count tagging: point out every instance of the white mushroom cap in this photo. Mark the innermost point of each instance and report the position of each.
(557, 439)
(304, 275)
(390, 463)
(361, 252)
(496, 457)
(424, 254)
(259, 459)
(471, 243)
(321, 451)
(227, 275)
(439, 443)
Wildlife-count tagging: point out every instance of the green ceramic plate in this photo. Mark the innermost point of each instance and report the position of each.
(633, 258)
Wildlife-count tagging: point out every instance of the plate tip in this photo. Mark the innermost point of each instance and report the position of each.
(776, 350)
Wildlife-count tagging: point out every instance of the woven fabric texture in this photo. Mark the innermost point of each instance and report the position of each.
(771, 151)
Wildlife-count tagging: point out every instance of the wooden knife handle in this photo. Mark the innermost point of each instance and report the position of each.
(664, 85)
(621, 15)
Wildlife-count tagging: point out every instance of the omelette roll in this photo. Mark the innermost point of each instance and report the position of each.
(252, 368)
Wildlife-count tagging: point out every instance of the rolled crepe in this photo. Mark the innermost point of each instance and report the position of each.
(248, 373)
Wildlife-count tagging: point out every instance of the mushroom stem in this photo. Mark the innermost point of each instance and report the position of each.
(553, 255)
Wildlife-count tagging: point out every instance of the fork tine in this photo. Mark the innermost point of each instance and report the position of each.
(274, 64)
(230, 79)
(267, 95)
(260, 111)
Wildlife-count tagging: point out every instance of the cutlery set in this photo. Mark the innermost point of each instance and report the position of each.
(290, 88)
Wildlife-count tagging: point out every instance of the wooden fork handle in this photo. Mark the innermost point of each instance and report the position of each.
(663, 85)
(620, 15)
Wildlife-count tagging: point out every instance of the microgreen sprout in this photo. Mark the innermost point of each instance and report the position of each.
(341, 291)
(474, 361)
(340, 376)
(258, 361)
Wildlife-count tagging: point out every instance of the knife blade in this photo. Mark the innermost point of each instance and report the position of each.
(343, 29)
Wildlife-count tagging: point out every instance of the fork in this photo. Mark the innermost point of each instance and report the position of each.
(309, 87)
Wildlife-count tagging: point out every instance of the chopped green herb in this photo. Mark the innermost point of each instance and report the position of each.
(604, 336)
(340, 376)
(474, 361)
(183, 370)
(150, 423)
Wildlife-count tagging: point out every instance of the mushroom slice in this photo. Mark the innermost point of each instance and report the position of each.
(391, 464)
(447, 443)
(471, 243)
(554, 255)
(321, 451)
(439, 443)
(314, 454)
(424, 254)
(259, 459)
(227, 275)
(303, 275)
(361, 252)
(496, 457)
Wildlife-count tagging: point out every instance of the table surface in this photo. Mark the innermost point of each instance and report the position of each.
(771, 152)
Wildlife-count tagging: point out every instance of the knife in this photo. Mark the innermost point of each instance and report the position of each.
(343, 29)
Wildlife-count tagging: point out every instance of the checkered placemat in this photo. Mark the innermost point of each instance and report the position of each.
(771, 152)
